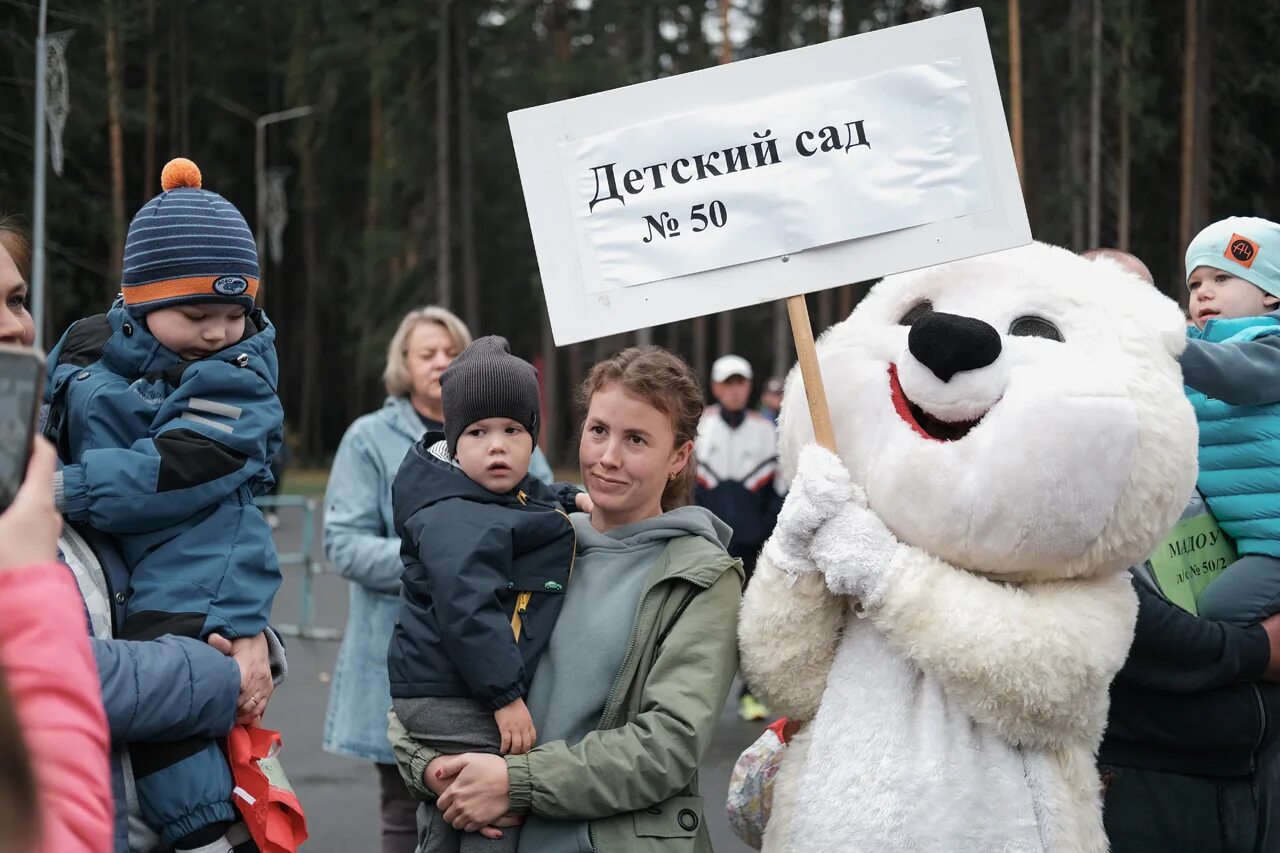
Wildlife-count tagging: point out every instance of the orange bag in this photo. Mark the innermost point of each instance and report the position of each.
(266, 801)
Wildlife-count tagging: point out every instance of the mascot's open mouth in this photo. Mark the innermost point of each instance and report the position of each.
(925, 424)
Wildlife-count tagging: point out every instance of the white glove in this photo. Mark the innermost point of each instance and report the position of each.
(854, 550)
(821, 487)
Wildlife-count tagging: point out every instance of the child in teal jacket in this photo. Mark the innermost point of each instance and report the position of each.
(1232, 370)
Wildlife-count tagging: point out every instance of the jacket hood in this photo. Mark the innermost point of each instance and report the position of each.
(428, 476)
(683, 521)
(132, 351)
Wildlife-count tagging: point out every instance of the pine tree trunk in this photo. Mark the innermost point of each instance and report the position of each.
(372, 217)
(309, 423)
(184, 78)
(172, 75)
(1095, 129)
(561, 54)
(1188, 163)
(150, 174)
(826, 310)
(1123, 155)
(444, 211)
(724, 320)
(561, 44)
(781, 338)
(466, 190)
(649, 69)
(1015, 90)
(115, 133)
(1075, 143)
(1204, 104)
(700, 348)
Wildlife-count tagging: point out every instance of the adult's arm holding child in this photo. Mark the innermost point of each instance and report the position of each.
(1241, 373)
(166, 689)
(1177, 652)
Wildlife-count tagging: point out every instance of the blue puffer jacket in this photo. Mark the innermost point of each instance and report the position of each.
(167, 456)
(1240, 450)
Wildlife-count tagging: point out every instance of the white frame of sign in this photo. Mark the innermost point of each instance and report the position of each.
(581, 308)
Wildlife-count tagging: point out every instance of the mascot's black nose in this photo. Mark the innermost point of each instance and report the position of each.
(948, 343)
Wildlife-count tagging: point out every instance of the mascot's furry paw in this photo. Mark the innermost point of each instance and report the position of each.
(821, 488)
(854, 550)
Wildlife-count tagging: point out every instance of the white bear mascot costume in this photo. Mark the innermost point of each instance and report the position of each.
(945, 604)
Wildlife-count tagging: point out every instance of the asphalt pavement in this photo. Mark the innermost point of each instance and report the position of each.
(340, 795)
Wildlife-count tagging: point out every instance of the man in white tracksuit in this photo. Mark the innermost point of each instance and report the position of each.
(738, 473)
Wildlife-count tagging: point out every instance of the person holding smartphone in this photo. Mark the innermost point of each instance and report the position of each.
(51, 683)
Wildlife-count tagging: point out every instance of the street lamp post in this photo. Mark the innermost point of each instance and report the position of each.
(259, 164)
(260, 171)
(41, 155)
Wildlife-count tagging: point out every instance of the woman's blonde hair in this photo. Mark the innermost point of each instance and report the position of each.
(665, 381)
(396, 374)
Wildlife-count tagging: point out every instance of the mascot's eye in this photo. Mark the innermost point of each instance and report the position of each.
(1034, 327)
(916, 312)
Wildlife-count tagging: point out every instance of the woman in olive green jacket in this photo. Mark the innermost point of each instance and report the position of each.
(627, 696)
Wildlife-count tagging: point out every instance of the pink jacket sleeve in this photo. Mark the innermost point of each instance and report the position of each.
(52, 677)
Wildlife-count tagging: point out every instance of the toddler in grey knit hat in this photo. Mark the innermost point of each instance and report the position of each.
(487, 558)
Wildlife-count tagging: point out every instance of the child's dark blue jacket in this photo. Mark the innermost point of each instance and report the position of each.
(484, 580)
(167, 456)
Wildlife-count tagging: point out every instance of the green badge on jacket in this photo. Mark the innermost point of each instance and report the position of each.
(1191, 556)
(552, 586)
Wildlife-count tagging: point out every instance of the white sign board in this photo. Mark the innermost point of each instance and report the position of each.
(770, 177)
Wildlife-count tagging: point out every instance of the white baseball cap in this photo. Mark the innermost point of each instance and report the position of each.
(730, 365)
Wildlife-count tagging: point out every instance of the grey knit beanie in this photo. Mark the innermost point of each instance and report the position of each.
(487, 381)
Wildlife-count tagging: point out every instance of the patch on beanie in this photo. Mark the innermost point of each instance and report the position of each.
(230, 285)
(1242, 250)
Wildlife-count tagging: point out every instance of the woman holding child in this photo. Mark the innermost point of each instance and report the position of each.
(153, 691)
(628, 689)
(360, 542)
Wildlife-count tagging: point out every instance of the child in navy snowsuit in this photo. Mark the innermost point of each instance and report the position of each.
(487, 552)
(165, 414)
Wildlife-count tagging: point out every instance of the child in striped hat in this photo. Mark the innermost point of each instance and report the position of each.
(165, 414)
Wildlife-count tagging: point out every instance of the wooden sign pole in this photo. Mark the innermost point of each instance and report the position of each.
(807, 355)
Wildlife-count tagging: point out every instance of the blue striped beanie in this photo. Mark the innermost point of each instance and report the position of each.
(188, 245)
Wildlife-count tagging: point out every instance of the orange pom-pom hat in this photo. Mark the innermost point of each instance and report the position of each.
(180, 172)
(188, 245)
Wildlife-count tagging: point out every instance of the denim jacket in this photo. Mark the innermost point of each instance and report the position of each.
(361, 544)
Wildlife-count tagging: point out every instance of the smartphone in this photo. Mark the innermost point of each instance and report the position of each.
(21, 390)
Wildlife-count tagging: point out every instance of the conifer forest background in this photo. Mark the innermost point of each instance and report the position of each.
(1136, 122)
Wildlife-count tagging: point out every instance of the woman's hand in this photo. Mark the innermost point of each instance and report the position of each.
(434, 777)
(30, 527)
(256, 686)
(480, 792)
(583, 501)
(1272, 626)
